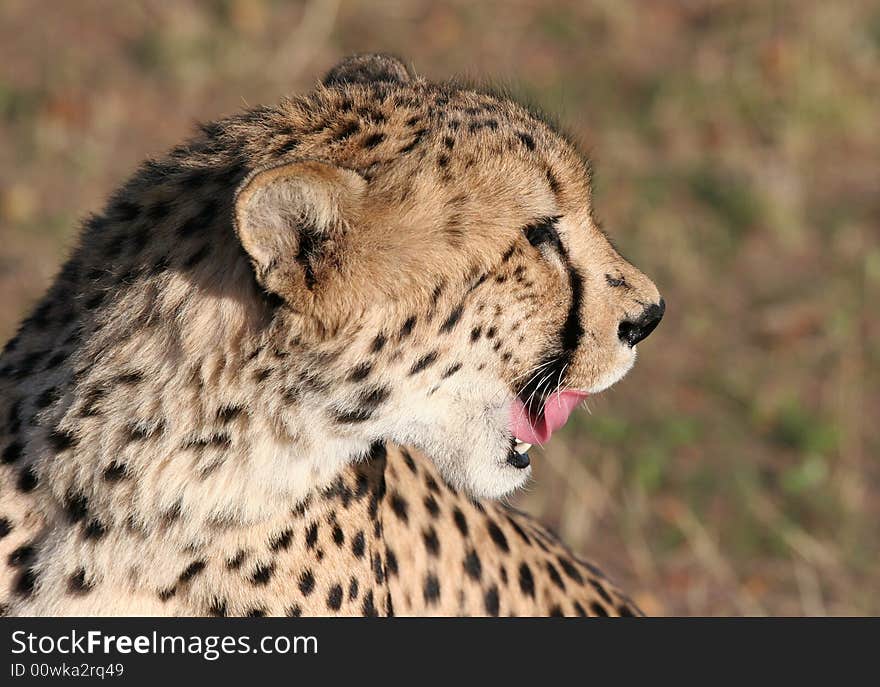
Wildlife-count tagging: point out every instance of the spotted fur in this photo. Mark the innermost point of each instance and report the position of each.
(204, 414)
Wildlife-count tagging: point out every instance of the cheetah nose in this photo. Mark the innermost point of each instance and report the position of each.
(633, 331)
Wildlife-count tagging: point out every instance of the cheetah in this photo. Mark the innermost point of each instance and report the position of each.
(292, 365)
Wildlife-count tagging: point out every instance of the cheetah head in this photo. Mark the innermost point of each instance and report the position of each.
(439, 244)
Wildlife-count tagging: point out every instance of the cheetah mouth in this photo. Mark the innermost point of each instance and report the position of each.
(534, 423)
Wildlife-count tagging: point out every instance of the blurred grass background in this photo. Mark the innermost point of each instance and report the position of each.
(737, 148)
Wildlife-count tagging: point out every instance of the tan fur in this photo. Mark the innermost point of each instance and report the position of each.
(215, 371)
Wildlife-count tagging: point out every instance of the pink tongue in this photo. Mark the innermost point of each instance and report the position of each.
(557, 408)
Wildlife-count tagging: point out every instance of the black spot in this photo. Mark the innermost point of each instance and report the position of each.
(579, 609)
(348, 129)
(460, 521)
(287, 145)
(391, 562)
(294, 611)
(526, 581)
(76, 506)
(219, 440)
(519, 530)
(570, 570)
(358, 545)
(368, 609)
(554, 576)
(407, 327)
(432, 543)
(92, 399)
(431, 591)
(378, 343)
(435, 295)
(334, 598)
(432, 485)
(282, 541)
(416, 140)
(77, 583)
(217, 608)
(338, 535)
(12, 452)
(472, 565)
(601, 591)
(410, 463)
(307, 583)
(263, 574)
(491, 601)
(167, 593)
(129, 378)
(498, 537)
(431, 506)
(399, 506)
(137, 432)
(368, 403)
(353, 589)
(61, 440)
(256, 613)
(360, 373)
(5, 527)
(192, 570)
(556, 611)
(374, 139)
(452, 320)
(47, 398)
(424, 362)
(312, 535)
(27, 580)
(115, 472)
(526, 139)
(378, 569)
(236, 561)
(21, 556)
(94, 530)
(598, 609)
(262, 375)
(451, 370)
(229, 413)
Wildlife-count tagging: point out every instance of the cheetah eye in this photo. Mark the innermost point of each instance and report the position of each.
(542, 232)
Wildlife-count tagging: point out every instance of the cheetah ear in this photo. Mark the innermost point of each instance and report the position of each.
(293, 221)
(367, 69)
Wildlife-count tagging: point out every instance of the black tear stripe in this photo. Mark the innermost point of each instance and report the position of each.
(558, 358)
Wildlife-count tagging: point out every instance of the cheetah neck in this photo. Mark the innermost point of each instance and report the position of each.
(181, 413)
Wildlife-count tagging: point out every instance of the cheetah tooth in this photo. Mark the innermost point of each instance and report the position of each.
(522, 447)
